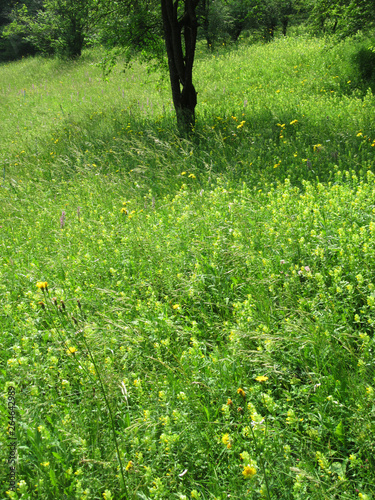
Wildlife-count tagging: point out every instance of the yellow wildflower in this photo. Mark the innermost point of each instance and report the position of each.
(241, 392)
(226, 440)
(71, 350)
(192, 176)
(261, 378)
(42, 285)
(249, 472)
(129, 466)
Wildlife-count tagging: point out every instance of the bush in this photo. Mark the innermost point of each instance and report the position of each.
(364, 62)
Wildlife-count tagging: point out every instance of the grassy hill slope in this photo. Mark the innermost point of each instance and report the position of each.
(189, 318)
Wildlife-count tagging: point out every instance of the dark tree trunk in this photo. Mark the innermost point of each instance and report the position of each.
(285, 22)
(75, 42)
(204, 21)
(180, 32)
(235, 33)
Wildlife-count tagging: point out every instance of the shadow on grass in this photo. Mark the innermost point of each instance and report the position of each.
(259, 148)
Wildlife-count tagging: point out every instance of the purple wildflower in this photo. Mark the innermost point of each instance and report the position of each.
(62, 219)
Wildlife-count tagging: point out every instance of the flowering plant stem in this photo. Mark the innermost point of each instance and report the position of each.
(261, 462)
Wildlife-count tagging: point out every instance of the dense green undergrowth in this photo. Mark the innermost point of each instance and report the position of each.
(210, 301)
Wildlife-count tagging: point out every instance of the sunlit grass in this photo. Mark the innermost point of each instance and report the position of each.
(222, 286)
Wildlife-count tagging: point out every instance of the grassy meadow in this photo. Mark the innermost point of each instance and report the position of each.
(189, 318)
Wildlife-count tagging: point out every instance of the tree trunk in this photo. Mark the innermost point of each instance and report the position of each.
(75, 41)
(285, 22)
(180, 33)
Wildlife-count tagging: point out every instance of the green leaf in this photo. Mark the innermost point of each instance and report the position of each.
(339, 432)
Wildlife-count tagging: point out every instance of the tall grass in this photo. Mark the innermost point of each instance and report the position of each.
(210, 302)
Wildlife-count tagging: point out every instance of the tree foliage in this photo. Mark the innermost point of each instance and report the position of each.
(227, 20)
(345, 17)
(15, 45)
(214, 21)
(57, 26)
(134, 29)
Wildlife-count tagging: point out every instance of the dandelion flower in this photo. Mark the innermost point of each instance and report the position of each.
(42, 285)
(241, 392)
(71, 350)
(249, 472)
(261, 378)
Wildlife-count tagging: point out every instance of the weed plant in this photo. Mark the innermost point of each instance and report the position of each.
(190, 318)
